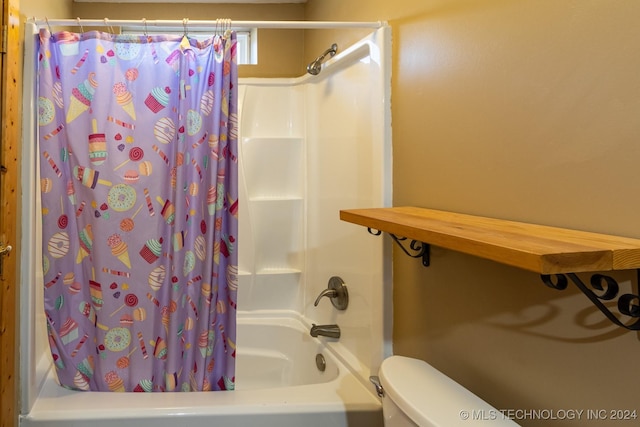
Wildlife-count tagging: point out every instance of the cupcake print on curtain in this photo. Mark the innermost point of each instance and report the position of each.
(138, 164)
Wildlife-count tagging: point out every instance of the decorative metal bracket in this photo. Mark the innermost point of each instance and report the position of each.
(608, 289)
(416, 248)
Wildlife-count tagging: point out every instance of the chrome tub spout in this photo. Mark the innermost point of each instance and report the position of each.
(331, 331)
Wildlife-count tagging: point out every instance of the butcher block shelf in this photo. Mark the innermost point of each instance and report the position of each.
(542, 249)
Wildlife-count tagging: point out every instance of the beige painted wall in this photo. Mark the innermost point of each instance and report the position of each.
(45, 8)
(527, 110)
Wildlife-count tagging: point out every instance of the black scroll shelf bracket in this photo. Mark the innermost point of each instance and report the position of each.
(415, 249)
(601, 288)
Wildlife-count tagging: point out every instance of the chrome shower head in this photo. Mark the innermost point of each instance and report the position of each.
(315, 66)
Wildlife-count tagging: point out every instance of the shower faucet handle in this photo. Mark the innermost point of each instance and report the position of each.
(337, 292)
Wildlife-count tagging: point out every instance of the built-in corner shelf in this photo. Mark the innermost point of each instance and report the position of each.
(555, 253)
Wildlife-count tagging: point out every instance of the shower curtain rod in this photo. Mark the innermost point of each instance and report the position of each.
(208, 24)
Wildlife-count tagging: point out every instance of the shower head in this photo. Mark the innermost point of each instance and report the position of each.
(315, 66)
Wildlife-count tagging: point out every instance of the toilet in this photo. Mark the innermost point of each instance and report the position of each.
(416, 394)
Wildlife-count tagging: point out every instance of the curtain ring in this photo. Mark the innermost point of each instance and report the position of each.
(79, 24)
(185, 21)
(146, 30)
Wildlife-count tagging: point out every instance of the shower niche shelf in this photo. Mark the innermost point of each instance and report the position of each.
(282, 198)
(272, 170)
(557, 254)
(278, 271)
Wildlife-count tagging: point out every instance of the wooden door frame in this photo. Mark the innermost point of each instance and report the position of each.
(10, 145)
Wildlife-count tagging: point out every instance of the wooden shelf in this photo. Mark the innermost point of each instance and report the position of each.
(538, 248)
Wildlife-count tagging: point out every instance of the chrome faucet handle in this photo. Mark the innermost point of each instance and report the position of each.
(330, 293)
(337, 293)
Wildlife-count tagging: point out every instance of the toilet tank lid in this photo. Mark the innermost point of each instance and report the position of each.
(429, 397)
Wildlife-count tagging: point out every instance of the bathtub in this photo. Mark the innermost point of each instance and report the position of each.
(278, 384)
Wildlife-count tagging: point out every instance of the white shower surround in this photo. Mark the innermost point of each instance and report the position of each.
(335, 129)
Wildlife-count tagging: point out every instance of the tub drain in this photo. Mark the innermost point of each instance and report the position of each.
(320, 362)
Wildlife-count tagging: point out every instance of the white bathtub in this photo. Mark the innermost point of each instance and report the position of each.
(278, 384)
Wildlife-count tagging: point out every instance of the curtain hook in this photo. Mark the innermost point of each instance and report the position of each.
(106, 22)
(79, 24)
(48, 25)
(226, 25)
(185, 21)
(146, 30)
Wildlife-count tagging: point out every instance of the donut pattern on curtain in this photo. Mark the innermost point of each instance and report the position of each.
(138, 167)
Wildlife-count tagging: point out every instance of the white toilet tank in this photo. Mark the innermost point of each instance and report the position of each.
(417, 394)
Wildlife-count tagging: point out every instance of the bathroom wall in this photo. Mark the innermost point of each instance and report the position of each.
(48, 8)
(526, 110)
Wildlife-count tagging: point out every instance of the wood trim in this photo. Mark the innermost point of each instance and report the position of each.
(11, 92)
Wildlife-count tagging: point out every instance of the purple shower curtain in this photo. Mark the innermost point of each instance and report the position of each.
(138, 165)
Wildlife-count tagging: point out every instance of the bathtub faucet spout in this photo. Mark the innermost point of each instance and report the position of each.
(331, 331)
